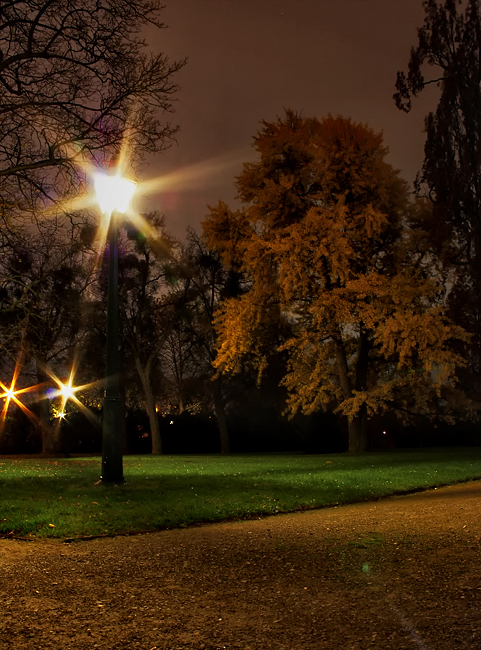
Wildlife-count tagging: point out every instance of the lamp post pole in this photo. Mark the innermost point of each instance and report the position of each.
(112, 470)
(113, 196)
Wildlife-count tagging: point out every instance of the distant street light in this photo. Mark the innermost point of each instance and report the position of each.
(113, 193)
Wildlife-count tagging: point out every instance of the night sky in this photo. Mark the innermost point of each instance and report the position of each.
(248, 59)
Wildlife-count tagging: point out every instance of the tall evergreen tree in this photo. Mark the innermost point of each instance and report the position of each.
(448, 54)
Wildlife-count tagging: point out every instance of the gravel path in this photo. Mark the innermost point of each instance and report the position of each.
(400, 573)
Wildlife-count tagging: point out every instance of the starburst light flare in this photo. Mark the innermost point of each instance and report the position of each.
(66, 390)
(113, 192)
(10, 395)
(197, 175)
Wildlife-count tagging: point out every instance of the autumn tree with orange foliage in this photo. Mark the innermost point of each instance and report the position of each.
(324, 238)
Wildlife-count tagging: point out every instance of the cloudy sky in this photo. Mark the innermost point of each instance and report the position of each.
(248, 59)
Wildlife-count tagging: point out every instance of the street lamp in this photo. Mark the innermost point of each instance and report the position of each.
(113, 193)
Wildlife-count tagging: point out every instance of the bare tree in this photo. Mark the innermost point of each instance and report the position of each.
(77, 84)
(76, 81)
(148, 305)
(210, 282)
(43, 282)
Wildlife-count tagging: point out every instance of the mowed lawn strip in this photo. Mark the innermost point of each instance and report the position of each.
(63, 497)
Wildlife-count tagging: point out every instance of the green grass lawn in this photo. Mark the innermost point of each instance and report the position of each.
(61, 497)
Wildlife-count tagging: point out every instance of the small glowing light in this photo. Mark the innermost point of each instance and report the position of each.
(113, 193)
(61, 415)
(172, 422)
(384, 433)
(11, 394)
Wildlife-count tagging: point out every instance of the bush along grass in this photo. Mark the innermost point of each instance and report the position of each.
(64, 498)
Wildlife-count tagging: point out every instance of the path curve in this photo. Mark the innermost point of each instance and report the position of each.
(400, 573)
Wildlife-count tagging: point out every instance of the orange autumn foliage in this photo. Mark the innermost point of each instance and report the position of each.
(325, 240)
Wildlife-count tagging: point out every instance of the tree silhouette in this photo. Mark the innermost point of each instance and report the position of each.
(447, 54)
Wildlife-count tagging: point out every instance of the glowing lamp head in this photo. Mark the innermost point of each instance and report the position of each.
(9, 393)
(113, 192)
(61, 415)
(67, 391)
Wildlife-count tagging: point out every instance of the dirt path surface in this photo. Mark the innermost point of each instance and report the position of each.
(404, 572)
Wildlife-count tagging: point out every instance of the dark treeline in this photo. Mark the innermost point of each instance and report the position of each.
(334, 310)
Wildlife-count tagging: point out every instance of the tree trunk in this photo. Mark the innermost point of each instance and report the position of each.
(50, 435)
(358, 435)
(151, 412)
(125, 442)
(358, 441)
(220, 415)
(343, 369)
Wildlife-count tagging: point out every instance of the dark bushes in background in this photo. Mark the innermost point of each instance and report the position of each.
(251, 431)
